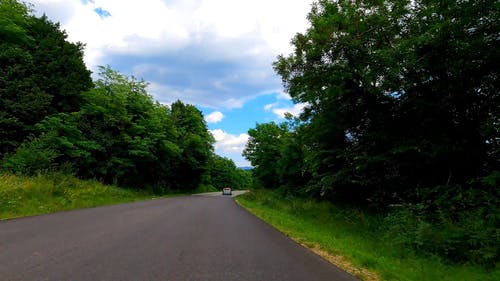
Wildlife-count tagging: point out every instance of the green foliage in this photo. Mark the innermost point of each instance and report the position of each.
(461, 226)
(243, 179)
(195, 143)
(13, 21)
(52, 192)
(402, 108)
(202, 188)
(278, 155)
(58, 67)
(31, 158)
(401, 96)
(119, 135)
(41, 74)
(365, 240)
(222, 172)
(263, 150)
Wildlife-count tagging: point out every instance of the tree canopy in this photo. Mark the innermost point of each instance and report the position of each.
(53, 116)
(400, 95)
(40, 73)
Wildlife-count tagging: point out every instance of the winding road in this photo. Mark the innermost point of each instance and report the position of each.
(182, 238)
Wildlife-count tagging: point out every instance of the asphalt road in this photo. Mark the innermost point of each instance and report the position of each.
(184, 238)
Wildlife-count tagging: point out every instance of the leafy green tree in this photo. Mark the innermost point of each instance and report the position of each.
(243, 179)
(195, 143)
(223, 172)
(119, 135)
(263, 152)
(402, 106)
(20, 99)
(41, 73)
(58, 66)
(401, 95)
(291, 166)
(14, 22)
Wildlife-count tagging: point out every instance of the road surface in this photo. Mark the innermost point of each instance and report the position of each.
(183, 238)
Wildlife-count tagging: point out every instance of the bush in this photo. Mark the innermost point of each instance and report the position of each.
(205, 188)
(462, 227)
(30, 158)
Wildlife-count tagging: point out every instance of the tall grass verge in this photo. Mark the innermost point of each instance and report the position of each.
(355, 240)
(41, 194)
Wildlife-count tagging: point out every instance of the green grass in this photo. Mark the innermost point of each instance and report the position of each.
(202, 188)
(26, 196)
(356, 236)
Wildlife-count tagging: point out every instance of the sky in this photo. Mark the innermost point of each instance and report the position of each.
(214, 54)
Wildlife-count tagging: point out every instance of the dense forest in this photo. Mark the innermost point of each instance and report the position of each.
(53, 117)
(402, 118)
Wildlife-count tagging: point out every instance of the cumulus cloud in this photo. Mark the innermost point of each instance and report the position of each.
(214, 53)
(284, 96)
(226, 142)
(231, 146)
(268, 107)
(295, 110)
(214, 117)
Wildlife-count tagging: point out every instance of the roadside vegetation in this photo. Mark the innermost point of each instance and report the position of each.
(399, 140)
(41, 194)
(362, 243)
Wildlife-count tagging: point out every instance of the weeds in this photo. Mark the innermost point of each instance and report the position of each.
(370, 241)
(46, 193)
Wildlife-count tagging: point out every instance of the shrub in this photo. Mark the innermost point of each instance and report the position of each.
(462, 227)
(30, 158)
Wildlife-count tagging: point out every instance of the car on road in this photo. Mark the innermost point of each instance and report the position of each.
(227, 191)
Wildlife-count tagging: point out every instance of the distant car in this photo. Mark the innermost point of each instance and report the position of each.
(226, 191)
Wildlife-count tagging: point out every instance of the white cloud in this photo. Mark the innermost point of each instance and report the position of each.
(229, 143)
(214, 117)
(269, 106)
(231, 146)
(238, 38)
(284, 96)
(295, 110)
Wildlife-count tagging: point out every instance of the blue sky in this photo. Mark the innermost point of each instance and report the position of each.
(214, 54)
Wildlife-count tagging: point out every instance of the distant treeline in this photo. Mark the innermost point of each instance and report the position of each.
(402, 115)
(54, 117)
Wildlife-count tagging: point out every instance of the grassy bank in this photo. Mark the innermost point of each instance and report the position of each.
(354, 240)
(25, 196)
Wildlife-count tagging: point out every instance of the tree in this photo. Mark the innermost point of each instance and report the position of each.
(291, 166)
(21, 103)
(222, 172)
(263, 152)
(401, 95)
(58, 66)
(41, 74)
(118, 136)
(195, 142)
(339, 69)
